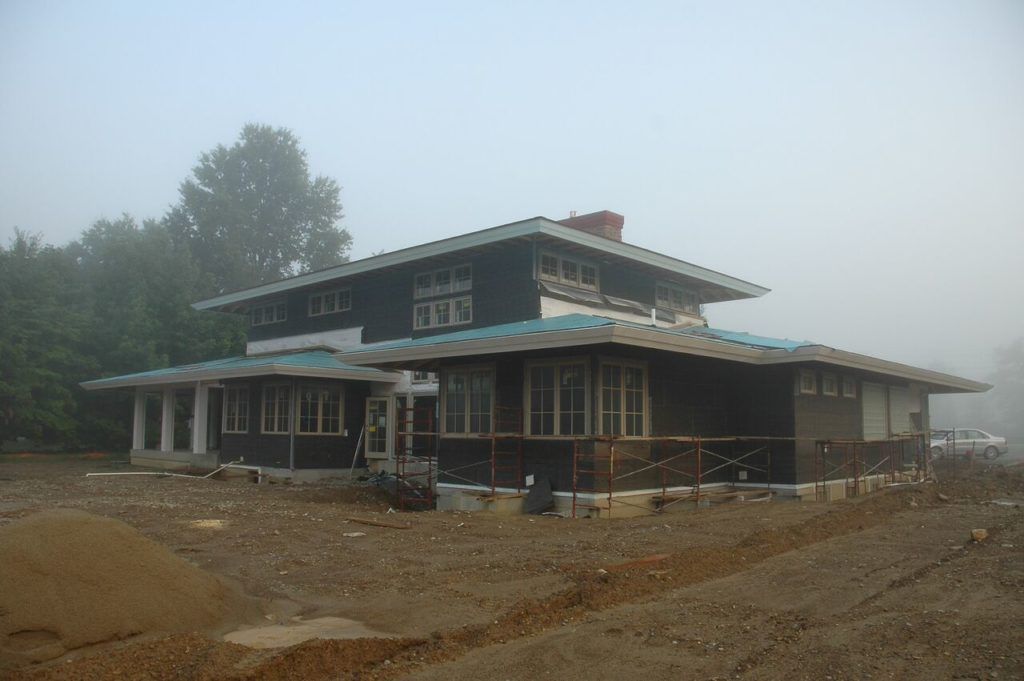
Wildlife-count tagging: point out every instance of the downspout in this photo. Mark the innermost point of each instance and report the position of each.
(291, 430)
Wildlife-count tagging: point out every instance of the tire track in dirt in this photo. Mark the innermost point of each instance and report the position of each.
(595, 590)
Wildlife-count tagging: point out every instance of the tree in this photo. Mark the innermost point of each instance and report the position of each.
(41, 326)
(251, 213)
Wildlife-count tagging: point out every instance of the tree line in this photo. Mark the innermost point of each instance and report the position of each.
(117, 300)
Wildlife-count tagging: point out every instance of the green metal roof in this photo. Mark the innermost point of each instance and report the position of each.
(311, 363)
(575, 321)
(573, 330)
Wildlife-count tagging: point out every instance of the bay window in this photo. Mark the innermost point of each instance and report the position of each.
(236, 409)
(468, 400)
(320, 410)
(276, 408)
(623, 394)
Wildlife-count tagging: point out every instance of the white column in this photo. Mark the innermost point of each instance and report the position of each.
(200, 417)
(167, 421)
(139, 420)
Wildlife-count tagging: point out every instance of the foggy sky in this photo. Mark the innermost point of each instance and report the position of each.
(863, 160)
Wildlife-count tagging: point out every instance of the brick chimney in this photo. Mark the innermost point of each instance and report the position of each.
(602, 223)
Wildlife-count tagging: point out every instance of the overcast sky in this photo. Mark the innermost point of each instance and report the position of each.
(864, 160)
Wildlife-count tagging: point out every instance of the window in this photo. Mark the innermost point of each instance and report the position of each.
(424, 377)
(828, 385)
(443, 282)
(808, 383)
(320, 409)
(276, 408)
(557, 394)
(849, 387)
(236, 409)
(623, 399)
(329, 302)
(269, 313)
(468, 398)
(676, 298)
(463, 278)
(463, 310)
(443, 313)
(568, 271)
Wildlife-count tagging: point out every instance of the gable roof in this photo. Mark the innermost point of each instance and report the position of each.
(581, 329)
(310, 364)
(538, 226)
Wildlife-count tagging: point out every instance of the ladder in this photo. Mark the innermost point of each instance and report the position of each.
(592, 474)
(507, 450)
(414, 458)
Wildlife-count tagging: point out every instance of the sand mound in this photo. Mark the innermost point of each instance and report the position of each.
(70, 579)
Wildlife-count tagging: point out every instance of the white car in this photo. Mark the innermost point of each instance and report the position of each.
(967, 442)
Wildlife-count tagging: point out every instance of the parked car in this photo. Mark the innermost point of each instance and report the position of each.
(967, 442)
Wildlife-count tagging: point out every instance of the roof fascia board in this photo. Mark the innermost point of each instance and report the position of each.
(399, 257)
(659, 340)
(486, 346)
(649, 257)
(189, 377)
(484, 237)
(853, 360)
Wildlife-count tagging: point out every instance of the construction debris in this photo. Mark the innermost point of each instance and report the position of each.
(979, 535)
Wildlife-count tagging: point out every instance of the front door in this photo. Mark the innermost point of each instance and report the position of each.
(377, 427)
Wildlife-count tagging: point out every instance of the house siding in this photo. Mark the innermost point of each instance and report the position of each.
(311, 451)
(688, 396)
(382, 303)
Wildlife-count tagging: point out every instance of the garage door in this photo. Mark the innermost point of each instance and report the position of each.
(875, 421)
(899, 410)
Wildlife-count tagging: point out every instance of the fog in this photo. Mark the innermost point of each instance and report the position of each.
(863, 160)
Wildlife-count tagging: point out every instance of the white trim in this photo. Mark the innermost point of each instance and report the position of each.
(185, 378)
(347, 290)
(557, 363)
(800, 376)
(442, 396)
(390, 423)
(835, 384)
(297, 408)
(560, 278)
(224, 408)
(277, 415)
(623, 364)
(731, 287)
(845, 380)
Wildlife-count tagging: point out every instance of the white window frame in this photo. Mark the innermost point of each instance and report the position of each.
(803, 390)
(824, 385)
(321, 295)
(277, 309)
(434, 306)
(455, 284)
(431, 378)
(442, 394)
(228, 391)
(560, 278)
(277, 410)
(319, 388)
(684, 293)
(849, 387)
(623, 364)
(557, 363)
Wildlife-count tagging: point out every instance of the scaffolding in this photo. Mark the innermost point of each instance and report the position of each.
(415, 458)
(667, 471)
(856, 465)
(507, 450)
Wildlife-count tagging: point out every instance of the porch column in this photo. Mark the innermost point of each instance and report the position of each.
(139, 420)
(167, 421)
(200, 417)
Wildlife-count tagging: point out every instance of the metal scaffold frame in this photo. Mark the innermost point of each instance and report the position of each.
(416, 441)
(677, 483)
(852, 462)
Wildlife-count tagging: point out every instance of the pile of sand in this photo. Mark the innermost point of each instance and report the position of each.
(70, 579)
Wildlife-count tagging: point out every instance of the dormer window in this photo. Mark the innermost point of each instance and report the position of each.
(568, 271)
(329, 302)
(268, 313)
(672, 297)
(443, 282)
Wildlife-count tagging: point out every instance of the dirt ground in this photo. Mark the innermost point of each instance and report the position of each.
(887, 586)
